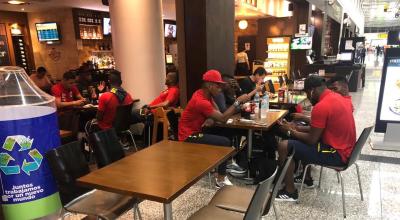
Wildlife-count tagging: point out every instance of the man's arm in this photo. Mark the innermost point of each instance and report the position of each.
(312, 137)
(223, 117)
(61, 104)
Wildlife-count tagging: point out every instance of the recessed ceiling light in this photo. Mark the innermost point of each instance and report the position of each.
(15, 2)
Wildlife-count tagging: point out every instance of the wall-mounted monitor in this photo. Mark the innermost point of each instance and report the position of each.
(48, 32)
(301, 43)
(106, 26)
(170, 30)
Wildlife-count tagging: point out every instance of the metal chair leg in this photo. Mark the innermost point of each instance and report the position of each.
(337, 176)
(275, 212)
(138, 212)
(359, 182)
(210, 180)
(133, 140)
(343, 198)
(302, 180)
(320, 177)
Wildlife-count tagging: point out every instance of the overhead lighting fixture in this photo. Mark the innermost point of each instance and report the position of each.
(15, 2)
(313, 7)
(243, 24)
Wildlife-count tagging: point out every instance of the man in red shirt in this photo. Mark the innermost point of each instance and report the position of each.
(109, 101)
(329, 140)
(66, 93)
(170, 96)
(202, 107)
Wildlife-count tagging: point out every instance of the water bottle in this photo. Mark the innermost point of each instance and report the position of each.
(257, 103)
(264, 106)
(28, 129)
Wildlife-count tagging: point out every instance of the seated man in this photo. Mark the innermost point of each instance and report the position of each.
(249, 83)
(66, 93)
(329, 140)
(109, 101)
(201, 107)
(41, 80)
(170, 96)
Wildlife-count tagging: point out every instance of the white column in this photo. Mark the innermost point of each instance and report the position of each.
(138, 46)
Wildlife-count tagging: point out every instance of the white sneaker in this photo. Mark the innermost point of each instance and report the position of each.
(226, 182)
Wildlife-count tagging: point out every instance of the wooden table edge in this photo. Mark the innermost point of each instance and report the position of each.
(156, 198)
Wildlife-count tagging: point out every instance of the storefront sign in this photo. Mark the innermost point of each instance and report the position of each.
(382, 36)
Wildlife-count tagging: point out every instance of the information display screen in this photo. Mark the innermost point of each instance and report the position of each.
(106, 26)
(170, 31)
(301, 43)
(47, 32)
(390, 110)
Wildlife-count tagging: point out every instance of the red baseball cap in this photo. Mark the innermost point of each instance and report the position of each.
(213, 76)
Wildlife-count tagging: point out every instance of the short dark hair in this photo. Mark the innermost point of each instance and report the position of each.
(334, 79)
(115, 77)
(260, 71)
(313, 82)
(69, 75)
(41, 69)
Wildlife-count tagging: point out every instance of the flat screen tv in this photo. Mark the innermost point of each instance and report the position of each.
(393, 38)
(301, 43)
(170, 30)
(47, 32)
(106, 26)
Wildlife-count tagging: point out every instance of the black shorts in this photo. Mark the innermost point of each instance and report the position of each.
(319, 154)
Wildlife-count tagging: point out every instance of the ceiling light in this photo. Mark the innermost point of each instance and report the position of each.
(15, 2)
(243, 24)
(313, 7)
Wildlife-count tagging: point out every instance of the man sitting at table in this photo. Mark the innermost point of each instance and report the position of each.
(329, 140)
(170, 96)
(249, 83)
(109, 101)
(201, 107)
(41, 80)
(66, 93)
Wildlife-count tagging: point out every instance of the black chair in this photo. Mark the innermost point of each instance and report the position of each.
(67, 164)
(352, 160)
(106, 146)
(173, 119)
(123, 121)
(254, 210)
(271, 86)
(69, 121)
(237, 199)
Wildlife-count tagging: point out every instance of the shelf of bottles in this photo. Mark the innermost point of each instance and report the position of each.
(278, 61)
(89, 24)
(90, 32)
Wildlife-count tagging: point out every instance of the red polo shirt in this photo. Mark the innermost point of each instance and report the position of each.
(66, 95)
(334, 114)
(195, 114)
(108, 103)
(171, 94)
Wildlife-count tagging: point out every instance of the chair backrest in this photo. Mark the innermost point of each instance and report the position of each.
(123, 118)
(69, 121)
(359, 145)
(260, 198)
(271, 86)
(278, 180)
(280, 78)
(68, 163)
(173, 122)
(106, 146)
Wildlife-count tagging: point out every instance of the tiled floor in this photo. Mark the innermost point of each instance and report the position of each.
(380, 180)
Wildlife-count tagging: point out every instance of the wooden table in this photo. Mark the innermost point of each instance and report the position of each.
(265, 124)
(160, 172)
(287, 104)
(64, 133)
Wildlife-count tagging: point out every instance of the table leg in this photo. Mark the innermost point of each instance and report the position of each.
(249, 154)
(167, 211)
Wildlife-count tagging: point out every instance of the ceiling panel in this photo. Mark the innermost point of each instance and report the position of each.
(375, 16)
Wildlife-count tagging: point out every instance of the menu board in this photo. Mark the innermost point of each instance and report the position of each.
(390, 109)
(4, 56)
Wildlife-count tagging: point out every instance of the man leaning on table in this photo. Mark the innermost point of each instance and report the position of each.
(66, 93)
(202, 107)
(329, 140)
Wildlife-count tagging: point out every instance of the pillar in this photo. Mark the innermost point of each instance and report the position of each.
(138, 46)
(205, 41)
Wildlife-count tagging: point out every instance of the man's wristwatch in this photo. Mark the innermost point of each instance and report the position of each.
(289, 133)
(236, 104)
